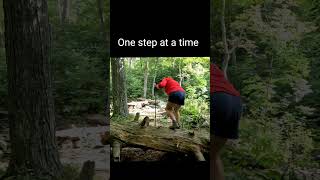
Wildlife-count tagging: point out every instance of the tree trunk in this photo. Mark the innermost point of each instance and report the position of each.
(145, 84)
(155, 75)
(104, 25)
(119, 90)
(180, 74)
(34, 151)
(163, 139)
(224, 39)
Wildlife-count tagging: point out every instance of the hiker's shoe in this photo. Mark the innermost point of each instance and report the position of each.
(174, 126)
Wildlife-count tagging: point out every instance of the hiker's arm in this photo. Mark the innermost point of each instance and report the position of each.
(162, 84)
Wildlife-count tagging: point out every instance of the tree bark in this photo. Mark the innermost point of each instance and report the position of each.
(180, 73)
(163, 139)
(224, 39)
(34, 151)
(104, 29)
(155, 75)
(119, 90)
(145, 84)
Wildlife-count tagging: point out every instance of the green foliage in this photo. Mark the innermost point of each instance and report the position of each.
(277, 76)
(193, 74)
(77, 55)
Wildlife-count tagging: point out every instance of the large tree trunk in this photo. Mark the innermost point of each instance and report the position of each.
(31, 108)
(119, 90)
(224, 40)
(145, 82)
(104, 25)
(160, 138)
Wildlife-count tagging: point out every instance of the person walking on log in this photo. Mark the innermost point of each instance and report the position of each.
(176, 96)
(225, 113)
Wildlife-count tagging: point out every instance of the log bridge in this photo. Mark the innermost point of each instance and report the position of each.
(139, 134)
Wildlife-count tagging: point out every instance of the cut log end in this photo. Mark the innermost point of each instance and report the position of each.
(136, 118)
(105, 138)
(116, 149)
(87, 171)
(145, 122)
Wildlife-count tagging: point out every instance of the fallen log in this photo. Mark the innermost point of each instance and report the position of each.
(161, 138)
(87, 171)
(97, 119)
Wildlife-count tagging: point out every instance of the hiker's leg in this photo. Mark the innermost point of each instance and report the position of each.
(217, 144)
(170, 111)
(177, 113)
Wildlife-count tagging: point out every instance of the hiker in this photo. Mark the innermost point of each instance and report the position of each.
(225, 112)
(176, 99)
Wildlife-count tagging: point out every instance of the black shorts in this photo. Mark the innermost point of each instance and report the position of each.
(225, 113)
(177, 97)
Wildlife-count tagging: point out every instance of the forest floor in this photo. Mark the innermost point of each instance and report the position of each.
(87, 147)
(152, 109)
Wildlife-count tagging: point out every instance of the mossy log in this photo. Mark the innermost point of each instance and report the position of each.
(162, 138)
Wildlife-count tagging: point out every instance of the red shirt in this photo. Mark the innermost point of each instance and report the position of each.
(218, 82)
(170, 85)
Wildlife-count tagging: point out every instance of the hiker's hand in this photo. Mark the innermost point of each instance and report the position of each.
(155, 85)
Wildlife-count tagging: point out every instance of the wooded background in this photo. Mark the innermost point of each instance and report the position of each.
(133, 78)
(269, 49)
(78, 57)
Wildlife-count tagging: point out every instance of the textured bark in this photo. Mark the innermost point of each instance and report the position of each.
(155, 75)
(31, 107)
(104, 23)
(180, 73)
(119, 90)
(163, 139)
(145, 82)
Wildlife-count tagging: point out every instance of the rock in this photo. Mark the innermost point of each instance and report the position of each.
(1, 154)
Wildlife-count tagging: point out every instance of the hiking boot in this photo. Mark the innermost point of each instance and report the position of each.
(174, 126)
